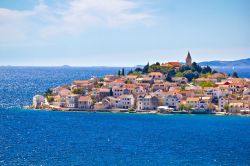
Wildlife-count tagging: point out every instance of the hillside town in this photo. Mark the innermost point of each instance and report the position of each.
(170, 87)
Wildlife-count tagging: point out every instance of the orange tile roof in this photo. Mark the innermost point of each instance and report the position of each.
(172, 64)
(117, 82)
(73, 95)
(237, 83)
(84, 98)
(131, 76)
(81, 81)
(193, 99)
(156, 73)
(129, 85)
(175, 64)
(186, 92)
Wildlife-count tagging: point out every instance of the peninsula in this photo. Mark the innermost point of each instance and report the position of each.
(169, 87)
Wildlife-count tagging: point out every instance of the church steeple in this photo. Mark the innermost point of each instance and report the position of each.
(188, 59)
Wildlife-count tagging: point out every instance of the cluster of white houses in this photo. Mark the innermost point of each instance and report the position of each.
(152, 92)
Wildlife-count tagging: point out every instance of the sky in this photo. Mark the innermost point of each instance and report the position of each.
(122, 32)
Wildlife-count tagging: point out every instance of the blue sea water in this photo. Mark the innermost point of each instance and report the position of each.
(30, 137)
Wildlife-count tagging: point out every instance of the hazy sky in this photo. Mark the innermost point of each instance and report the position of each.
(122, 32)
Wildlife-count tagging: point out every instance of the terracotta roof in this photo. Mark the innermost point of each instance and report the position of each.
(237, 83)
(172, 64)
(73, 95)
(202, 79)
(131, 76)
(84, 98)
(117, 82)
(193, 99)
(186, 92)
(104, 90)
(81, 81)
(129, 85)
(156, 73)
(175, 64)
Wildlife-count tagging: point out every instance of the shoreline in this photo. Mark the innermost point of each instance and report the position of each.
(149, 112)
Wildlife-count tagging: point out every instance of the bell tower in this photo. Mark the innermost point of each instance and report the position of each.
(188, 59)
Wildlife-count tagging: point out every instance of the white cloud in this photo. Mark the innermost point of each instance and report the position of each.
(72, 17)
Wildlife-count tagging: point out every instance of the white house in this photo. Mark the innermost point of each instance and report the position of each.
(198, 102)
(246, 92)
(147, 102)
(171, 101)
(72, 101)
(117, 91)
(38, 101)
(139, 90)
(235, 106)
(156, 76)
(236, 87)
(212, 92)
(85, 102)
(116, 83)
(126, 101)
(180, 80)
(221, 103)
(131, 78)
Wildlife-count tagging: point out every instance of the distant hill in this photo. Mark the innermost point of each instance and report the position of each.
(242, 63)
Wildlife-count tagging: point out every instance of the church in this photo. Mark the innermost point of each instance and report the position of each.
(188, 59)
(177, 65)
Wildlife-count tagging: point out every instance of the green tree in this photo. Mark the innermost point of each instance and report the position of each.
(154, 68)
(130, 72)
(123, 72)
(214, 71)
(78, 91)
(235, 75)
(219, 79)
(138, 70)
(50, 99)
(119, 72)
(171, 73)
(110, 92)
(191, 75)
(226, 107)
(179, 74)
(48, 93)
(189, 108)
(93, 99)
(183, 87)
(157, 63)
(206, 84)
(128, 82)
(184, 68)
(196, 67)
(98, 85)
(206, 70)
(131, 110)
(168, 78)
(183, 107)
(145, 69)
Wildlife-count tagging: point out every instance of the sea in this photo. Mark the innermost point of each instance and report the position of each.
(32, 137)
